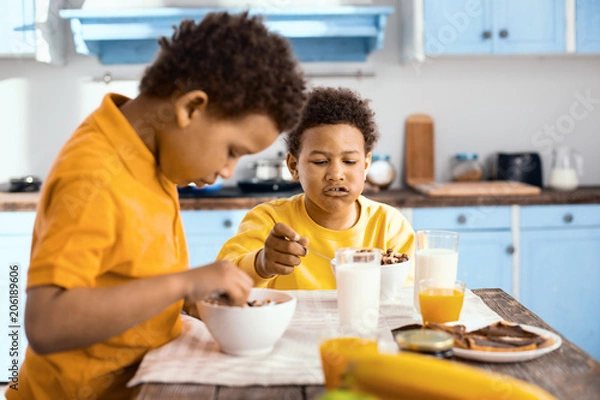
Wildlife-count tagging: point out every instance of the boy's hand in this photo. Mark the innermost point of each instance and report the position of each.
(282, 252)
(221, 276)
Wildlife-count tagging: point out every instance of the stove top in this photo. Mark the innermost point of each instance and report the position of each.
(245, 189)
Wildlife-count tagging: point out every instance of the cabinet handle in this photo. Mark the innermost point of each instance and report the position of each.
(227, 223)
(568, 218)
(503, 33)
(487, 34)
(461, 219)
(510, 249)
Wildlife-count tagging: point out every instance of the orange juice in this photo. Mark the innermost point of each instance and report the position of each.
(441, 305)
(335, 354)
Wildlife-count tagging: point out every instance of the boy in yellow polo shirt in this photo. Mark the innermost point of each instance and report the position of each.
(329, 152)
(109, 269)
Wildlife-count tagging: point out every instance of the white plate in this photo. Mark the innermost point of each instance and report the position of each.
(513, 356)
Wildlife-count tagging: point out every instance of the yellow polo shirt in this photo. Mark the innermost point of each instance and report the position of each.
(107, 215)
(379, 226)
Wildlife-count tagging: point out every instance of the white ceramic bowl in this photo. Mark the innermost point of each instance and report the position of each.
(249, 331)
(393, 277)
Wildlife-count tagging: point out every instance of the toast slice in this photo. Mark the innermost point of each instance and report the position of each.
(500, 336)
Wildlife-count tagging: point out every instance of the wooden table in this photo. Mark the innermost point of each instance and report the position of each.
(567, 373)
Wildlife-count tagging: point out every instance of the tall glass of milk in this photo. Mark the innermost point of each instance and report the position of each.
(358, 275)
(436, 258)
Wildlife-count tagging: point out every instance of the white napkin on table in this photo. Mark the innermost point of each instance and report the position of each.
(194, 356)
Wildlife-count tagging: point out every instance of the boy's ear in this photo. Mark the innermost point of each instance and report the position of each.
(368, 160)
(292, 163)
(188, 105)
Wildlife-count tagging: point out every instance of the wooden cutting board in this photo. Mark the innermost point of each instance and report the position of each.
(487, 188)
(418, 149)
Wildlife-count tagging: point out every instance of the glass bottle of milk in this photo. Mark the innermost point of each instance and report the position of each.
(567, 166)
(436, 257)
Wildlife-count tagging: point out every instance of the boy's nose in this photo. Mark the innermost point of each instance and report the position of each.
(227, 171)
(335, 173)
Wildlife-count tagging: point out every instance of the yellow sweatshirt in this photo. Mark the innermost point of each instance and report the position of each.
(379, 226)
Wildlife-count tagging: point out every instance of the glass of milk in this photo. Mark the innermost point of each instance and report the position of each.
(358, 276)
(436, 258)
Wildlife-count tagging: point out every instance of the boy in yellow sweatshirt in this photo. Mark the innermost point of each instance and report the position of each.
(109, 269)
(329, 152)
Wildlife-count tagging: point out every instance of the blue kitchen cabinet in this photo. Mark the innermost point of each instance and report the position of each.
(206, 231)
(15, 246)
(560, 269)
(485, 244)
(532, 26)
(457, 27)
(17, 37)
(587, 25)
(494, 26)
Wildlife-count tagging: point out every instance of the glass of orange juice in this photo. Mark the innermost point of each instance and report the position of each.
(335, 354)
(440, 301)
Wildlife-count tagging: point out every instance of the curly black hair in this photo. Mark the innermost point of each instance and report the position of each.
(331, 106)
(242, 67)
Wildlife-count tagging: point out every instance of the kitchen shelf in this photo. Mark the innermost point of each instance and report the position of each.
(317, 34)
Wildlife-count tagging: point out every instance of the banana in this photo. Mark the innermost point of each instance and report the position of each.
(417, 377)
(341, 394)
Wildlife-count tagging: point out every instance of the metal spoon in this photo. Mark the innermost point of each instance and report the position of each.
(223, 298)
(316, 252)
(306, 249)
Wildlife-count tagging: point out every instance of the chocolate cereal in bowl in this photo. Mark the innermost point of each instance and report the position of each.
(253, 329)
(395, 268)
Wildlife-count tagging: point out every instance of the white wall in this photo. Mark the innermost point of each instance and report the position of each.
(479, 104)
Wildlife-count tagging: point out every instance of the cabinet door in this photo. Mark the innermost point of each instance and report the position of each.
(560, 277)
(587, 23)
(532, 26)
(17, 14)
(484, 245)
(457, 27)
(494, 26)
(207, 231)
(485, 260)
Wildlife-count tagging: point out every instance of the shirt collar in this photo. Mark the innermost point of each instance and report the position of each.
(134, 154)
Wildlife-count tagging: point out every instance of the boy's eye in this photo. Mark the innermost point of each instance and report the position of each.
(319, 162)
(232, 154)
(350, 162)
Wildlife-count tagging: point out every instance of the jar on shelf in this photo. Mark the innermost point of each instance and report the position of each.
(381, 172)
(466, 168)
